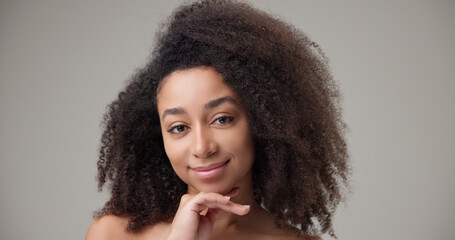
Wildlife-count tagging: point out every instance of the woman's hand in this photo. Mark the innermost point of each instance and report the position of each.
(189, 224)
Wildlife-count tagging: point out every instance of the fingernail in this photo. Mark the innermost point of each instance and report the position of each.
(227, 197)
(246, 206)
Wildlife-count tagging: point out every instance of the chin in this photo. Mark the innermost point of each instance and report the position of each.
(216, 188)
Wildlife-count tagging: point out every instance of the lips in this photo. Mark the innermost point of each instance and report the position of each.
(210, 171)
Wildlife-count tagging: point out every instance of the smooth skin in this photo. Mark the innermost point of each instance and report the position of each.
(203, 125)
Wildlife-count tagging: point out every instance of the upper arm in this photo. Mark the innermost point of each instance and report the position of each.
(106, 227)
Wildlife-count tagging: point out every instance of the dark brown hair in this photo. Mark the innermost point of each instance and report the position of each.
(286, 88)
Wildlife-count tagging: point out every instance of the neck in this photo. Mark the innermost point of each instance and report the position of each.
(232, 223)
(231, 226)
(244, 197)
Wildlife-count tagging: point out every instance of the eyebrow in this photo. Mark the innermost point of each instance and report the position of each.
(210, 105)
(173, 111)
(215, 103)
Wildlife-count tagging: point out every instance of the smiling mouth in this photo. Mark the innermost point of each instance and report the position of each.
(210, 171)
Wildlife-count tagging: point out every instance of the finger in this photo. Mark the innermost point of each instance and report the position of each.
(237, 209)
(202, 201)
(214, 200)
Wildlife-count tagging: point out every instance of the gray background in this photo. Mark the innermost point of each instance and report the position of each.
(62, 62)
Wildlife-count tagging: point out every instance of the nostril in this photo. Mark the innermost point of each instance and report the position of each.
(203, 142)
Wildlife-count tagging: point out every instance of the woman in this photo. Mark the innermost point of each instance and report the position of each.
(231, 131)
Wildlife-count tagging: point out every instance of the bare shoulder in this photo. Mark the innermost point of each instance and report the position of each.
(272, 229)
(114, 227)
(108, 227)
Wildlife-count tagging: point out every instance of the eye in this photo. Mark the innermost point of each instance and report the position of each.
(223, 120)
(177, 129)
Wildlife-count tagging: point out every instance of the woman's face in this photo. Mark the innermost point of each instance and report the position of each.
(205, 131)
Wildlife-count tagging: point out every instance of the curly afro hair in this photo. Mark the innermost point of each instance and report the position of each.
(286, 88)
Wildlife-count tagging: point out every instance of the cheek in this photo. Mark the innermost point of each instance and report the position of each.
(240, 143)
(176, 154)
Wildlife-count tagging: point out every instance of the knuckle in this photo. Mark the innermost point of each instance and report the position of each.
(185, 198)
(202, 196)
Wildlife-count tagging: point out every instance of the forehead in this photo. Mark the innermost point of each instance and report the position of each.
(197, 85)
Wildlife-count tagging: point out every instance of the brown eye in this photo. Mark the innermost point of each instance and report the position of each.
(177, 129)
(223, 120)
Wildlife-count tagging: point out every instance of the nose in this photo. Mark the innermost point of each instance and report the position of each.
(203, 144)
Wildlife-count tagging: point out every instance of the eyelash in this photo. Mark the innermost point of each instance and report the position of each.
(228, 120)
(171, 130)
